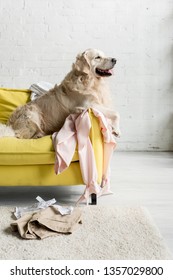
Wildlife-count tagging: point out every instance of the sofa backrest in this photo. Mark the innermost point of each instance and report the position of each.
(10, 99)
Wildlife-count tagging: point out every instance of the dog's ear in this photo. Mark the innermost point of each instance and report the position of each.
(82, 63)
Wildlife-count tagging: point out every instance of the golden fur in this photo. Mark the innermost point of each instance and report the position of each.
(83, 87)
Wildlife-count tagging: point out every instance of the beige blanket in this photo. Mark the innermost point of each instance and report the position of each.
(46, 222)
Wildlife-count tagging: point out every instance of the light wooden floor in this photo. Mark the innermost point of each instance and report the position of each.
(146, 179)
(137, 179)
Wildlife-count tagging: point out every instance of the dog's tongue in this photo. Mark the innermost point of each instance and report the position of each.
(110, 71)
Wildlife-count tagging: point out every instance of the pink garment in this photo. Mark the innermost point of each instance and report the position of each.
(75, 131)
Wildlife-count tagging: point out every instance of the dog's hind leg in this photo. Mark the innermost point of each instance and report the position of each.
(26, 122)
(30, 130)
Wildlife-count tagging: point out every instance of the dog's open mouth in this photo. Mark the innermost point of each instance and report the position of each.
(104, 72)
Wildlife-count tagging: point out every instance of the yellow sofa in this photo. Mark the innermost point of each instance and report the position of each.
(30, 162)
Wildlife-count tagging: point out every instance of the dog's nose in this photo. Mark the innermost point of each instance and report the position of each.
(114, 60)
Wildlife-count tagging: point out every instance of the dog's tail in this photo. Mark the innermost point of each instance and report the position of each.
(6, 131)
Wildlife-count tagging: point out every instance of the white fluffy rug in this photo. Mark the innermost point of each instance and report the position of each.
(106, 233)
(6, 131)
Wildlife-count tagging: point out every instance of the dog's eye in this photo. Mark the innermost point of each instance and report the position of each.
(98, 57)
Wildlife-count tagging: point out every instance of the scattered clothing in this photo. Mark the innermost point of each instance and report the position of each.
(47, 222)
(42, 204)
(39, 89)
(75, 131)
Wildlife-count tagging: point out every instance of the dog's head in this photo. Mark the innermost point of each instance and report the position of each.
(94, 62)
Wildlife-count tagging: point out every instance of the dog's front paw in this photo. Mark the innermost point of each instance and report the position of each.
(79, 110)
(116, 132)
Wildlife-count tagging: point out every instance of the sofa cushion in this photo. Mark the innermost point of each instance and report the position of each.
(15, 151)
(10, 99)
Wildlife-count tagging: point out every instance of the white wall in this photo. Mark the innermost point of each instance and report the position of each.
(39, 40)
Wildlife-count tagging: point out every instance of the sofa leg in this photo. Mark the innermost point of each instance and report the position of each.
(93, 199)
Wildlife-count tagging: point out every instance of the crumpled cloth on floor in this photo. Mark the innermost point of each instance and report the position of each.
(75, 131)
(47, 222)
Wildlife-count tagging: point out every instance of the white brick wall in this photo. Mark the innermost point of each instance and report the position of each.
(39, 40)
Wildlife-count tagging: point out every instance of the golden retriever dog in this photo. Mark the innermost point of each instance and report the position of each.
(83, 87)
